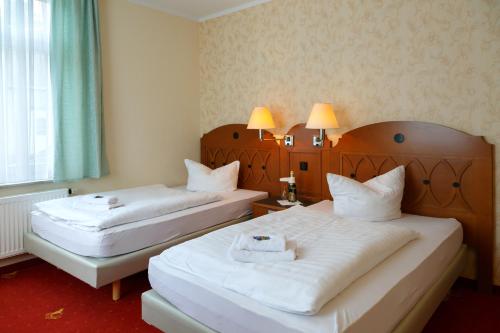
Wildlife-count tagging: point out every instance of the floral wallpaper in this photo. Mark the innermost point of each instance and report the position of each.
(378, 60)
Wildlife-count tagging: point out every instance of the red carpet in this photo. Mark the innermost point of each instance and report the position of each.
(40, 298)
(465, 310)
(26, 297)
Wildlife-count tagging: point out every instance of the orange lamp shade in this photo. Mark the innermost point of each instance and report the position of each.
(322, 116)
(261, 118)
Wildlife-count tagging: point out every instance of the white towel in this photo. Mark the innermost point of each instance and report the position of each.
(100, 199)
(261, 256)
(267, 243)
(83, 205)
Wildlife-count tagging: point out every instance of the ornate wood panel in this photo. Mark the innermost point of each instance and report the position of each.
(306, 161)
(259, 161)
(448, 174)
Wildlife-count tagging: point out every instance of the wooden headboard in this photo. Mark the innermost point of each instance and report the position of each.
(307, 162)
(259, 160)
(448, 173)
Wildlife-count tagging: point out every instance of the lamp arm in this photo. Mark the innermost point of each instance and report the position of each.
(318, 140)
(322, 134)
(261, 135)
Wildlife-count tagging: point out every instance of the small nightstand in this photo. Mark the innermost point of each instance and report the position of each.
(270, 205)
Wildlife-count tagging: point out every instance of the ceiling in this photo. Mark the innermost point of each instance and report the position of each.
(199, 10)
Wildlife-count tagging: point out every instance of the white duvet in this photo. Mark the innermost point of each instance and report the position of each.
(331, 254)
(139, 203)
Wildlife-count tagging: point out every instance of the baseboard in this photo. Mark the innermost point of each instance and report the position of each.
(16, 259)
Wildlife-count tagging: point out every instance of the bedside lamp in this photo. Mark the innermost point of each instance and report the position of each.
(261, 119)
(322, 117)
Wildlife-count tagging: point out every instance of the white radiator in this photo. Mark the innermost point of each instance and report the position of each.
(15, 219)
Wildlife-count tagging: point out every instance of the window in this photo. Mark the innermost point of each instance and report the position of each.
(26, 125)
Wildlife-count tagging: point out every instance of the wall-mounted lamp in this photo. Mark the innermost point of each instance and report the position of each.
(322, 117)
(261, 119)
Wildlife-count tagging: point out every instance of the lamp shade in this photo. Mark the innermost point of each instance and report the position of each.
(322, 117)
(261, 118)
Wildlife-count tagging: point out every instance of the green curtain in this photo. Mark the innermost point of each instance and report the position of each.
(75, 61)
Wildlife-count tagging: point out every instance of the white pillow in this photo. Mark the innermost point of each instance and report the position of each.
(204, 179)
(378, 199)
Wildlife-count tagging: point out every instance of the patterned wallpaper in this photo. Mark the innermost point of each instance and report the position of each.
(378, 60)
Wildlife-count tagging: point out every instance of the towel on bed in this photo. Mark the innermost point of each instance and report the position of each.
(139, 203)
(250, 256)
(100, 200)
(82, 205)
(267, 243)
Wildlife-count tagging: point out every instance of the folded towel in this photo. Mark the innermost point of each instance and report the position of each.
(89, 207)
(268, 243)
(261, 256)
(116, 205)
(99, 199)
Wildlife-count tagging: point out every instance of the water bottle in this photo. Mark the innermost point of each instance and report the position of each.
(292, 188)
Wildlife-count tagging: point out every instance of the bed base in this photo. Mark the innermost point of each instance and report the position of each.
(98, 272)
(420, 314)
(160, 313)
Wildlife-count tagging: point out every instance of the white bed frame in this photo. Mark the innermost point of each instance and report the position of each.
(98, 272)
(160, 313)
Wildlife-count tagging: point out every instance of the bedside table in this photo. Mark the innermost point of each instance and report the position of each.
(270, 205)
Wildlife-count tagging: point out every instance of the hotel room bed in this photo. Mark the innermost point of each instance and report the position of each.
(258, 176)
(376, 302)
(131, 237)
(448, 198)
(102, 257)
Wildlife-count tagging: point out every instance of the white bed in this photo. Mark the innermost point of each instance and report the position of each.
(106, 256)
(376, 302)
(134, 236)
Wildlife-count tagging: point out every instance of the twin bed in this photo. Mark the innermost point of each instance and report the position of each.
(131, 237)
(102, 257)
(107, 256)
(448, 201)
(376, 302)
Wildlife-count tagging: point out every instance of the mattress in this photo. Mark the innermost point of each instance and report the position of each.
(376, 302)
(134, 236)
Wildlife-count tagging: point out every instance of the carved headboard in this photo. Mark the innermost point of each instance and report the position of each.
(259, 160)
(448, 174)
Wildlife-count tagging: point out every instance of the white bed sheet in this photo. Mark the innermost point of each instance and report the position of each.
(138, 235)
(376, 302)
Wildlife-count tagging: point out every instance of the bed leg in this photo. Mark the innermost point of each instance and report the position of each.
(116, 290)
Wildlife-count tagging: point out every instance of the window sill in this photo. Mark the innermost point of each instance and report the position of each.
(38, 182)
